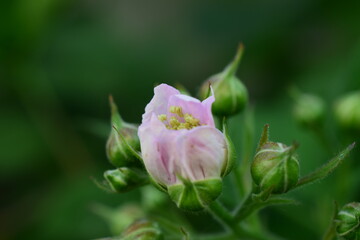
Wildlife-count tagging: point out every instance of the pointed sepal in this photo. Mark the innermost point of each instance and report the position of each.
(197, 195)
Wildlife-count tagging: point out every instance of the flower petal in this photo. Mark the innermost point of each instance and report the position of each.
(203, 151)
(156, 150)
(158, 104)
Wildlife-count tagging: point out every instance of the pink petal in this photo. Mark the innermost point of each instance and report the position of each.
(203, 151)
(158, 104)
(156, 150)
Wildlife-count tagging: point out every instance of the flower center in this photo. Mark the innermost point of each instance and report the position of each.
(180, 120)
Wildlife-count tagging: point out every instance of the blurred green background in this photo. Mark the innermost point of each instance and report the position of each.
(59, 61)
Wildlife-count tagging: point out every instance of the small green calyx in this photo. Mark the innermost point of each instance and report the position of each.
(275, 167)
(231, 95)
(124, 179)
(122, 136)
(348, 221)
(142, 230)
(195, 196)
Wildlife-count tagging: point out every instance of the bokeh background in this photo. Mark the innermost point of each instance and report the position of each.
(59, 61)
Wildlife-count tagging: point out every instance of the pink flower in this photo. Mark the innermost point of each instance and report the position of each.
(179, 141)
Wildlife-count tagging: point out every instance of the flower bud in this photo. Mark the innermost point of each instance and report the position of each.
(309, 110)
(347, 111)
(125, 179)
(142, 230)
(348, 221)
(230, 93)
(274, 167)
(117, 149)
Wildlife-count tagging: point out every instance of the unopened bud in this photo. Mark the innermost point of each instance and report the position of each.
(143, 230)
(230, 93)
(348, 221)
(125, 179)
(275, 167)
(309, 110)
(122, 136)
(347, 111)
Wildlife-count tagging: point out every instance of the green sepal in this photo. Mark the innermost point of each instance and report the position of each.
(348, 221)
(231, 153)
(326, 169)
(275, 166)
(125, 179)
(128, 147)
(264, 137)
(123, 142)
(197, 195)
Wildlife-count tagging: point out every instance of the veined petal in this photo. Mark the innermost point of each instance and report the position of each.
(158, 104)
(203, 151)
(156, 150)
(207, 114)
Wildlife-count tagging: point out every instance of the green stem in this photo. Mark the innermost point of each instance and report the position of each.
(227, 220)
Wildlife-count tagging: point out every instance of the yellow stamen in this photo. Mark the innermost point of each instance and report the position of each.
(182, 121)
(162, 117)
(176, 110)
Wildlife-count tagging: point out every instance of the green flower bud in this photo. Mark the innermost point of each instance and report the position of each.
(275, 167)
(231, 95)
(142, 230)
(347, 111)
(196, 195)
(309, 110)
(348, 221)
(117, 149)
(124, 179)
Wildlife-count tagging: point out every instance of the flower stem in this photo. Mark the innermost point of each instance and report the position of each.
(227, 220)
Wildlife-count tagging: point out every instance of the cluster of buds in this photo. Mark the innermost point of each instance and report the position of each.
(230, 93)
(275, 167)
(183, 152)
(348, 221)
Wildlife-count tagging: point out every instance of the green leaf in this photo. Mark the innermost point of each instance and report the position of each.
(326, 169)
